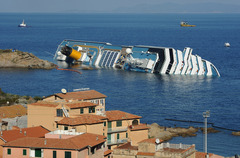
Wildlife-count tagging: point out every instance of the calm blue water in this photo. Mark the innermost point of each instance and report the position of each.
(154, 97)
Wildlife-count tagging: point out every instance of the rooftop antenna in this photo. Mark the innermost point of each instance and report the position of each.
(206, 115)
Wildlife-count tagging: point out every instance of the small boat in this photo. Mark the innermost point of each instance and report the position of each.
(140, 58)
(185, 24)
(227, 44)
(23, 24)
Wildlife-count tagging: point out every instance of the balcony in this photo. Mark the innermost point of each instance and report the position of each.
(117, 130)
(115, 142)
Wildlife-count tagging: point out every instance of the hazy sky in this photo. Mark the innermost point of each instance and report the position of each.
(121, 6)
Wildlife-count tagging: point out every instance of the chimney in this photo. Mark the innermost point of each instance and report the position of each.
(97, 138)
(25, 133)
(45, 142)
(20, 130)
(1, 133)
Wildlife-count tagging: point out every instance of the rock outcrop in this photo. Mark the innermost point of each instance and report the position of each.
(166, 133)
(19, 59)
(236, 133)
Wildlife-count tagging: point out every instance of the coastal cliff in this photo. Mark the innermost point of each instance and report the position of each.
(19, 59)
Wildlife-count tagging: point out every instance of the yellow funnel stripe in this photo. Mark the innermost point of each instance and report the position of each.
(75, 54)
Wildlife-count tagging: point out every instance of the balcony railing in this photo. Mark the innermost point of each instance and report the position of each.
(114, 142)
(116, 130)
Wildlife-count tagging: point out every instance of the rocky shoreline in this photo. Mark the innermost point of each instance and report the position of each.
(17, 59)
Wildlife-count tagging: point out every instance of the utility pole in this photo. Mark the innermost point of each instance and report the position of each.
(206, 115)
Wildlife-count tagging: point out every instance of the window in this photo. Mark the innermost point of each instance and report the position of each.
(119, 123)
(68, 154)
(56, 125)
(65, 128)
(92, 150)
(59, 113)
(109, 124)
(38, 153)
(91, 109)
(9, 151)
(102, 101)
(126, 135)
(54, 154)
(104, 123)
(118, 136)
(81, 111)
(24, 152)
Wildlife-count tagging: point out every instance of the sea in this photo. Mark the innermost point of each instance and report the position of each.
(161, 99)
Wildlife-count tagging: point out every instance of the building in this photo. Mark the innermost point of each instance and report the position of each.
(16, 133)
(69, 146)
(84, 111)
(12, 111)
(154, 148)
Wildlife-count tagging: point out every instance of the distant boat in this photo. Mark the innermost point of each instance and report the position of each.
(23, 24)
(185, 24)
(227, 44)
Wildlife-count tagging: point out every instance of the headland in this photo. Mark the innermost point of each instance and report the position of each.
(10, 58)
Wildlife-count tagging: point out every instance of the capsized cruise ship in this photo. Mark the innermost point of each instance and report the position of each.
(141, 58)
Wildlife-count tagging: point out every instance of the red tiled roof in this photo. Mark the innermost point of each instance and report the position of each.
(107, 152)
(80, 105)
(82, 119)
(45, 103)
(12, 111)
(139, 127)
(81, 95)
(145, 154)
(203, 155)
(77, 142)
(11, 135)
(120, 115)
(127, 146)
(151, 140)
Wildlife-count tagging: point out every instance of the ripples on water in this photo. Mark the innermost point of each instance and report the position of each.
(154, 97)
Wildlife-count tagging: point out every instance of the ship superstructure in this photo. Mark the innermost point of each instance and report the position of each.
(150, 59)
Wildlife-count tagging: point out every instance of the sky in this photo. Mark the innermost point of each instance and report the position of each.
(120, 6)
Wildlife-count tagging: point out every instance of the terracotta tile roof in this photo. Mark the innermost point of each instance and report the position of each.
(203, 155)
(81, 95)
(107, 152)
(120, 115)
(145, 154)
(77, 142)
(139, 127)
(12, 111)
(45, 103)
(127, 146)
(151, 140)
(11, 135)
(81, 120)
(80, 105)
